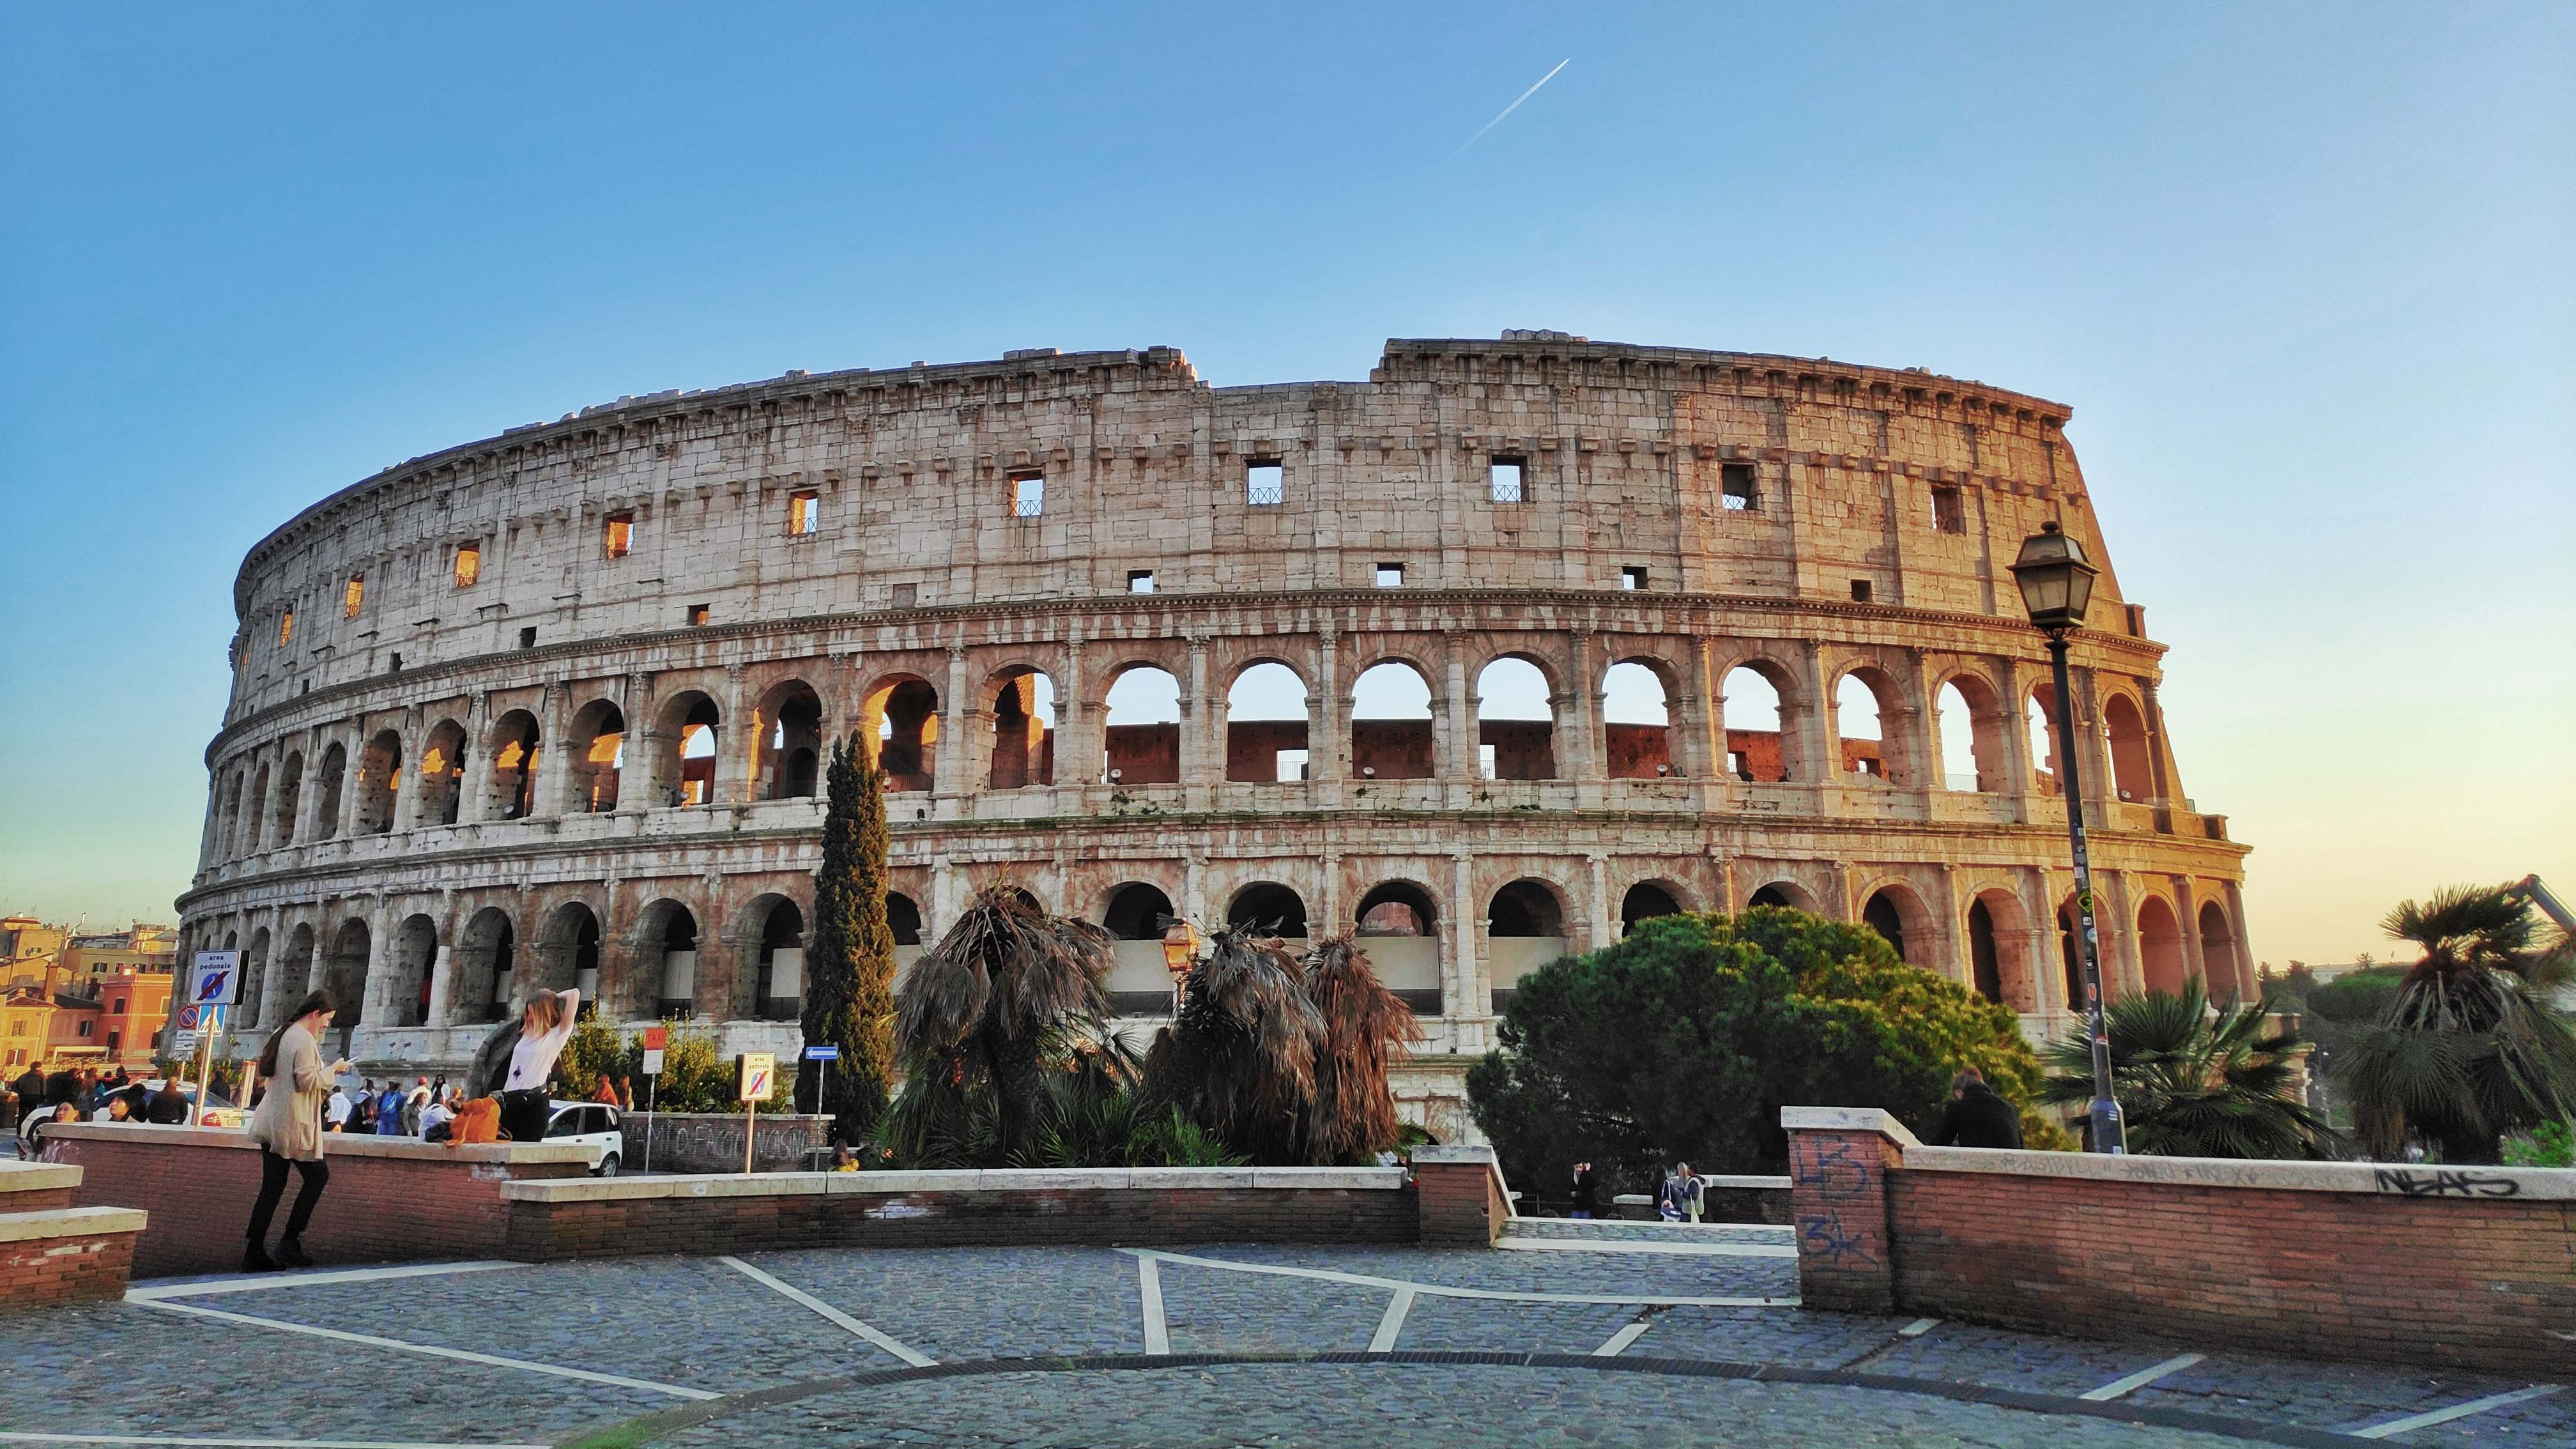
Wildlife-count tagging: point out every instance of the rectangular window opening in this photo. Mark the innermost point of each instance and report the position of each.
(469, 565)
(1263, 479)
(1140, 581)
(907, 595)
(1632, 578)
(697, 615)
(1292, 765)
(1735, 487)
(354, 597)
(1028, 495)
(528, 637)
(617, 538)
(285, 628)
(394, 666)
(1390, 576)
(804, 513)
(1860, 591)
(1948, 514)
(1504, 479)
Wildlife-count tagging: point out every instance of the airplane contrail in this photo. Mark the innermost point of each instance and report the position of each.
(1516, 105)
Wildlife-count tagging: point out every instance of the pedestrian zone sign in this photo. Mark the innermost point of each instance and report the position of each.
(759, 1071)
(214, 978)
(824, 1053)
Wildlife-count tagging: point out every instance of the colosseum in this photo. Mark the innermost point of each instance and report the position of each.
(1488, 657)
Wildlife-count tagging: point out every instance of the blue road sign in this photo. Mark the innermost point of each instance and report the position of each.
(822, 1054)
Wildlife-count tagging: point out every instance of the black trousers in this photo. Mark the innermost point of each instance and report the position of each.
(524, 1114)
(316, 1176)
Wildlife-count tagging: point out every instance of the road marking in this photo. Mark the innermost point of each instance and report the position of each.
(12, 1437)
(1149, 1291)
(1617, 1343)
(1383, 1341)
(832, 1313)
(305, 1280)
(2456, 1411)
(2143, 1377)
(1918, 1328)
(1439, 1290)
(461, 1355)
(8, 1437)
(1681, 1250)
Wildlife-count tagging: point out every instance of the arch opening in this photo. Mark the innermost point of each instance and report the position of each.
(779, 973)
(1861, 703)
(1515, 721)
(254, 979)
(1139, 983)
(328, 782)
(290, 793)
(1524, 930)
(255, 827)
(1268, 908)
(379, 777)
(671, 959)
(485, 968)
(598, 754)
(903, 717)
(2218, 951)
(1755, 748)
(1970, 722)
(1401, 931)
(442, 775)
(415, 961)
(1391, 735)
(1141, 743)
(1644, 901)
(513, 794)
(1265, 726)
(2040, 719)
(1024, 726)
(1895, 914)
(2160, 957)
(2070, 960)
(787, 743)
(346, 979)
(1636, 719)
(2132, 769)
(684, 763)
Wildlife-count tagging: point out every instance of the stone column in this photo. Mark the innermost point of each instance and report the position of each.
(1328, 735)
(475, 782)
(1454, 715)
(948, 759)
(1604, 917)
(376, 999)
(635, 772)
(1839, 1159)
(1581, 757)
(2018, 766)
(2187, 918)
(1809, 743)
(1467, 998)
(2249, 978)
(2115, 930)
(735, 744)
(1697, 749)
(407, 783)
(1199, 720)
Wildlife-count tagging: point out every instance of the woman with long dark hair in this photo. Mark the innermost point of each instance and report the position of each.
(288, 1128)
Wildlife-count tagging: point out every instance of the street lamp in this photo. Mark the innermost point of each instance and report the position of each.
(2056, 582)
(1180, 947)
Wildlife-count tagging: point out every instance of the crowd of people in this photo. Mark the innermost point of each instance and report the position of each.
(80, 1094)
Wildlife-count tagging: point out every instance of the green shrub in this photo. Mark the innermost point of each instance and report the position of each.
(2551, 1144)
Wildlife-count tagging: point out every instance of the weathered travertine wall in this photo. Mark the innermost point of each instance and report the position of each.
(679, 598)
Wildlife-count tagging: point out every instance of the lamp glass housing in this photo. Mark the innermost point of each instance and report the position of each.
(2055, 577)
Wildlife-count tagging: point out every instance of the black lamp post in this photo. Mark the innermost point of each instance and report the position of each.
(2056, 582)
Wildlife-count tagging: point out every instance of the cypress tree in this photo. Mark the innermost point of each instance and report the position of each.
(849, 963)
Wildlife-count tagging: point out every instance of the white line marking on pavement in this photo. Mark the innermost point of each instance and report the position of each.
(1685, 1250)
(2456, 1411)
(832, 1313)
(1439, 1290)
(1918, 1328)
(2116, 1388)
(461, 1355)
(1383, 1341)
(10, 1437)
(1149, 1291)
(1617, 1343)
(306, 1280)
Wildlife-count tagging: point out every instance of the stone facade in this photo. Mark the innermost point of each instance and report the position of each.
(546, 708)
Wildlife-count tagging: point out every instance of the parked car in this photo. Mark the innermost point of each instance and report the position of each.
(590, 1124)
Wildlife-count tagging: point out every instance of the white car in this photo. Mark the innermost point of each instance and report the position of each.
(590, 1124)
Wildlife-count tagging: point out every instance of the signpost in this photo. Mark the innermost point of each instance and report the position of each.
(214, 982)
(756, 1072)
(655, 1039)
(821, 1052)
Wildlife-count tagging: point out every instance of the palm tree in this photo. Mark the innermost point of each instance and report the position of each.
(1366, 1030)
(1241, 1056)
(2196, 1083)
(2468, 1047)
(1008, 996)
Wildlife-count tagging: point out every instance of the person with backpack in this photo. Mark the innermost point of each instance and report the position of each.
(1976, 1117)
(389, 1109)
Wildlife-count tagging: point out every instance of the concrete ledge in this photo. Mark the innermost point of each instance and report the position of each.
(2395, 1179)
(334, 1144)
(88, 1222)
(999, 1180)
(36, 1177)
(1848, 1119)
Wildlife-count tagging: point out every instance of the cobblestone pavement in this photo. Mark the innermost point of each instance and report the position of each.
(901, 1347)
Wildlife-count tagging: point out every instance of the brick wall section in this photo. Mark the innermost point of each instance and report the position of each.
(81, 1268)
(1461, 1196)
(37, 1200)
(542, 1231)
(197, 1186)
(2461, 1268)
(1838, 1203)
(2393, 1279)
(712, 1141)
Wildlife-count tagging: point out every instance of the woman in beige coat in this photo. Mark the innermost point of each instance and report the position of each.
(288, 1128)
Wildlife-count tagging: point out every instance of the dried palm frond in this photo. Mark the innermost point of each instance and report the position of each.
(1366, 1030)
(1241, 1056)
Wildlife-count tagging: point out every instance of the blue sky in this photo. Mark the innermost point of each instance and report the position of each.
(2307, 275)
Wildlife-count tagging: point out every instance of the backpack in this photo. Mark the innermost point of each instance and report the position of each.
(476, 1121)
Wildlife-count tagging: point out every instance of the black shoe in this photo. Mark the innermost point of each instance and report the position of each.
(255, 1259)
(290, 1251)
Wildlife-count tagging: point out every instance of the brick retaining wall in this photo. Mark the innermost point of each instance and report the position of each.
(2470, 1268)
(391, 1199)
(1110, 1207)
(52, 1252)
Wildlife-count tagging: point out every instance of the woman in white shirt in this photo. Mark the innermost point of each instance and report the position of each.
(544, 1027)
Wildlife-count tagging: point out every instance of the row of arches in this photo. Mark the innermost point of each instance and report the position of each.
(1517, 713)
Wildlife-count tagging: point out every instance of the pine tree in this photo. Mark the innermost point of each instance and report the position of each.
(849, 964)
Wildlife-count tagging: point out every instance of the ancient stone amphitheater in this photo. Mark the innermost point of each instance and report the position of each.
(1489, 656)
